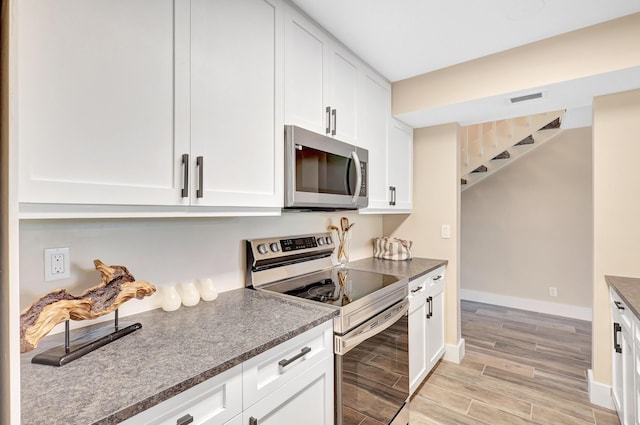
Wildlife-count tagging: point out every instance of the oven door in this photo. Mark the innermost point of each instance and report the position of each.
(321, 172)
(372, 370)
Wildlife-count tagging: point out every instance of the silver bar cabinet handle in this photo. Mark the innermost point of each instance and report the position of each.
(200, 165)
(392, 195)
(186, 419)
(185, 180)
(437, 277)
(334, 114)
(253, 421)
(413, 291)
(287, 362)
(328, 129)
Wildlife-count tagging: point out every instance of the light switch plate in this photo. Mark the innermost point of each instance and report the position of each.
(446, 231)
(56, 264)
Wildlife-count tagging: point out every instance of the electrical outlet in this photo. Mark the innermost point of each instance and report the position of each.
(56, 264)
(553, 291)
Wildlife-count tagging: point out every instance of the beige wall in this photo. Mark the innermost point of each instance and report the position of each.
(530, 225)
(616, 185)
(436, 201)
(598, 49)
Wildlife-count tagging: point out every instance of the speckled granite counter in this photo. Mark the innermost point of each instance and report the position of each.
(171, 353)
(629, 290)
(412, 269)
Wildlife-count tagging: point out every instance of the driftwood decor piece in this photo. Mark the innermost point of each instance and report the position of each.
(116, 287)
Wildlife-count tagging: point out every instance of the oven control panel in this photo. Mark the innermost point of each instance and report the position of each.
(282, 247)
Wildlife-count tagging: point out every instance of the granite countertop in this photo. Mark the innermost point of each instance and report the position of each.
(412, 269)
(171, 353)
(629, 290)
(174, 351)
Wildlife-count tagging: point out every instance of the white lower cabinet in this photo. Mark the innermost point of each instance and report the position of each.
(291, 383)
(307, 399)
(214, 402)
(426, 325)
(625, 384)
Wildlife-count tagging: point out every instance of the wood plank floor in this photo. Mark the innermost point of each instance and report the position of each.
(520, 367)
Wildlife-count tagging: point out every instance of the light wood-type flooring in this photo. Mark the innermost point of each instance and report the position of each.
(520, 367)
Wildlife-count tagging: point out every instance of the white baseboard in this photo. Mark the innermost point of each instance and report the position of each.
(599, 394)
(454, 353)
(557, 309)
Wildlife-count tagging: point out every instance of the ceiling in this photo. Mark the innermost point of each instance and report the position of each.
(404, 38)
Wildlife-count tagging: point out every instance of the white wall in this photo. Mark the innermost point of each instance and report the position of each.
(167, 251)
(529, 227)
(436, 198)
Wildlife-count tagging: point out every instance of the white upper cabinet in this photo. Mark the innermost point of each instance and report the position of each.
(237, 127)
(374, 97)
(96, 102)
(321, 80)
(400, 165)
(130, 102)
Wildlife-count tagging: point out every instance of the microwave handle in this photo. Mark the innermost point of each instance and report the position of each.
(356, 189)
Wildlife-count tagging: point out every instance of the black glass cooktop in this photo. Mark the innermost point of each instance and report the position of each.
(335, 286)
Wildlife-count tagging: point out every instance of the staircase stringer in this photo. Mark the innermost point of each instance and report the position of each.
(481, 142)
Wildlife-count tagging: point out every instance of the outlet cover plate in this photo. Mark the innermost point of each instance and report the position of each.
(56, 264)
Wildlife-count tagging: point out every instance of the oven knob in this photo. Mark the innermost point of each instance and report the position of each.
(320, 241)
(274, 247)
(262, 248)
(329, 240)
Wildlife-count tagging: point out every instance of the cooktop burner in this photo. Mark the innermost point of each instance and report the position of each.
(335, 286)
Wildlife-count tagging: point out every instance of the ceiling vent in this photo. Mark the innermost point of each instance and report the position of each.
(526, 97)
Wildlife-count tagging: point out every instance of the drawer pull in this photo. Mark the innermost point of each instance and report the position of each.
(437, 278)
(617, 328)
(430, 302)
(287, 362)
(253, 421)
(619, 305)
(186, 419)
(419, 288)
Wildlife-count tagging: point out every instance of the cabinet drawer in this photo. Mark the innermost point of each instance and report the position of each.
(626, 315)
(279, 365)
(436, 277)
(213, 402)
(418, 292)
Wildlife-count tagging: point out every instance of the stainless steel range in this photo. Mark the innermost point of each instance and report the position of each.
(370, 331)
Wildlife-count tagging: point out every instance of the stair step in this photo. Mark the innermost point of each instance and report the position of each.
(503, 155)
(553, 124)
(480, 169)
(463, 181)
(526, 141)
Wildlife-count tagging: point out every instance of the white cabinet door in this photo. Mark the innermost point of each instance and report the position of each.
(435, 324)
(308, 399)
(96, 102)
(418, 365)
(321, 80)
(306, 74)
(237, 128)
(400, 163)
(344, 95)
(374, 96)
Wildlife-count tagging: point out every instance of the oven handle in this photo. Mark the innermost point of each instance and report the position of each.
(356, 189)
(372, 327)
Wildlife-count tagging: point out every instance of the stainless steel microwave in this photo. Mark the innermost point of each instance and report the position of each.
(323, 173)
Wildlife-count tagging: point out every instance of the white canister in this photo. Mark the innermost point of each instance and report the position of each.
(170, 299)
(189, 294)
(207, 289)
